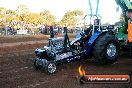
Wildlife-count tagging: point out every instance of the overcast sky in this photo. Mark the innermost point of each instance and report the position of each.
(107, 8)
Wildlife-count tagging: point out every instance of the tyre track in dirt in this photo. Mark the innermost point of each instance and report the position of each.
(10, 56)
(17, 72)
(23, 61)
(16, 61)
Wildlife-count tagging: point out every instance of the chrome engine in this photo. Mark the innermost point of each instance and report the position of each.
(54, 50)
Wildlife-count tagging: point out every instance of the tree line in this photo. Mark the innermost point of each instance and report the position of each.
(22, 13)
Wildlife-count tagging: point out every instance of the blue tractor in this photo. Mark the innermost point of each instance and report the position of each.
(92, 42)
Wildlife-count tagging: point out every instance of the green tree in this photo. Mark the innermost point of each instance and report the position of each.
(10, 15)
(32, 18)
(11, 12)
(47, 17)
(2, 12)
(124, 10)
(71, 18)
(22, 11)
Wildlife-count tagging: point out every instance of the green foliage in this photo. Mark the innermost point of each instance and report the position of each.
(47, 17)
(11, 12)
(22, 13)
(2, 9)
(124, 10)
(71, 18)
(22, 9)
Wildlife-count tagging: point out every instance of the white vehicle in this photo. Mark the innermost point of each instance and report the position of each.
(22, 32)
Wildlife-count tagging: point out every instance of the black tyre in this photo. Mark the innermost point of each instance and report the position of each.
(50, 67)
(37, 64)
(106, 49)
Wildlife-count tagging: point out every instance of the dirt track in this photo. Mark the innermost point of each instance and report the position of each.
(16, 71)
(22, 38)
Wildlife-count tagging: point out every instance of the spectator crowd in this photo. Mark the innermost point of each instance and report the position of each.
(31, 29)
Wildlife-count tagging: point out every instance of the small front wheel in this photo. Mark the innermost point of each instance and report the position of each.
(37, 64)
(50, 67)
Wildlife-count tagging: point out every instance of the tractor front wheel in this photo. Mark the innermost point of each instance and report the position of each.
(50, 67)
(37, 64)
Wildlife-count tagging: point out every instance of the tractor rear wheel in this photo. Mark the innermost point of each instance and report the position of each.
(106, 49)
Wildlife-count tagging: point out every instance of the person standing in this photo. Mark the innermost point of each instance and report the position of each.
(129, 30)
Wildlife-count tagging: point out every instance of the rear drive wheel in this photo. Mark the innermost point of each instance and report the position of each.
(106, 49)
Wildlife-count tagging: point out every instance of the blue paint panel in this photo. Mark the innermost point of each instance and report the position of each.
(70, 59)
(91, 41)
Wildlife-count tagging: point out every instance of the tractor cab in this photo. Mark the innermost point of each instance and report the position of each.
(92, 24)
